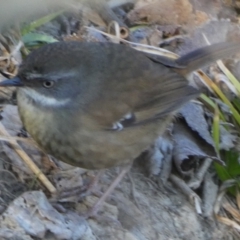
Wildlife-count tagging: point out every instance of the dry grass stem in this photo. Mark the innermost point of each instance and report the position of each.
(28, 161)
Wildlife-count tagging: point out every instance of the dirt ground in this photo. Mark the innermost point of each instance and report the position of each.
(154, 213)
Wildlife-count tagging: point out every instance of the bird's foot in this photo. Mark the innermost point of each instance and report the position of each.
(94, 210)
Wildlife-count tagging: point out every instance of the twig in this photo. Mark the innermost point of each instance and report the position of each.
(28, 161)
(193, 197)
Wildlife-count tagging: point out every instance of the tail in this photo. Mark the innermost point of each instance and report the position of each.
(206, 55)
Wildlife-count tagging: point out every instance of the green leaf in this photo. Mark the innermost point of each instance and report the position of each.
(230, 76)
(41, 21)
(233, 166)
(222, 172)
(36, 38)
(236, 103)
(216, 129)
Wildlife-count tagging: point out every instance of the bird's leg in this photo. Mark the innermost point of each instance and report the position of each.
(133, 191)
(93, 211)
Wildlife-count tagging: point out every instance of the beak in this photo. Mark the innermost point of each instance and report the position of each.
(13, 82)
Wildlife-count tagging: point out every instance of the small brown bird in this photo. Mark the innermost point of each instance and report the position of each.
(99, 105)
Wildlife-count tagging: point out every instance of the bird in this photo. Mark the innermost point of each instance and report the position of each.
(97, 105)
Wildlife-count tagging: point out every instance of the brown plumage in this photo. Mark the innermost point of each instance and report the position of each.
(98, 105)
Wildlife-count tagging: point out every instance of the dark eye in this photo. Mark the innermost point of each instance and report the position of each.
(48, 84)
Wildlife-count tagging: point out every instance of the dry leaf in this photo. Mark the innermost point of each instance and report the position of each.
(194, 116)
(189, 147)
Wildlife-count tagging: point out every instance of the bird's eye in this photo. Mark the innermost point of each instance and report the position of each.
(48, 84)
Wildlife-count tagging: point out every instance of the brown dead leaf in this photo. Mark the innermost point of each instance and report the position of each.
(167, 12)
(163, 12)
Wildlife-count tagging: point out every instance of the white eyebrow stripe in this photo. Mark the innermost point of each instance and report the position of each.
(43, 99)
(53, 75)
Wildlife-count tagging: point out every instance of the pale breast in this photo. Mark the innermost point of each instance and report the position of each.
(86, 147)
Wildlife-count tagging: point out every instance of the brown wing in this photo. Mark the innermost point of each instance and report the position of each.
(173, 93)
(139, 86)
(149, 89)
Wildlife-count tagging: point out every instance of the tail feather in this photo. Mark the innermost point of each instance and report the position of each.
(206, 55)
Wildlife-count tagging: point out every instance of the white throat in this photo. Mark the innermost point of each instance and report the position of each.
(43, 100)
